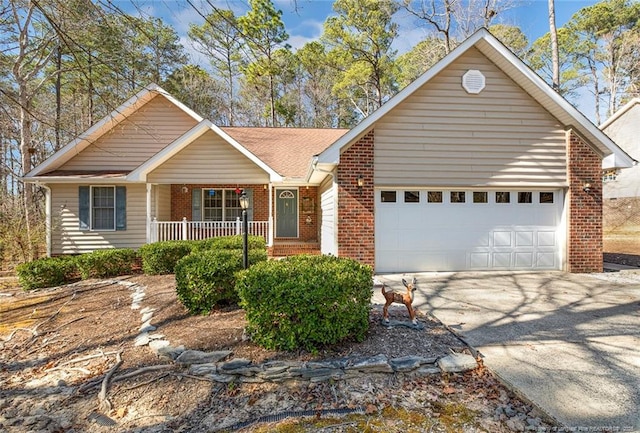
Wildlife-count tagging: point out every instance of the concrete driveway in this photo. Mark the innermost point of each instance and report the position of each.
(569, 343)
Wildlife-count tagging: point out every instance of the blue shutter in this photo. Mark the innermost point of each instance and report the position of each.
(121, 207)
(84, 198)
(196, 204)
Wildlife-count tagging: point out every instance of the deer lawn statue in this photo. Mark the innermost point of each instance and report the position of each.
(405, 298)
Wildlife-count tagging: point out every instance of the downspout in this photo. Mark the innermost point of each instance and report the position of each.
(148, 237)
(47, 216)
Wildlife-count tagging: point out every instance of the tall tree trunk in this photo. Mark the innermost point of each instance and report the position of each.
(553, 33)
(58, 96)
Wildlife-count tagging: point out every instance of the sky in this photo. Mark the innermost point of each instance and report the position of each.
(304, 19)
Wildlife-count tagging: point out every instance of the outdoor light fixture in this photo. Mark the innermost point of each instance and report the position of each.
(360, 181)
(185, 189)
(244, 204)
(587, 187)
(244, 201)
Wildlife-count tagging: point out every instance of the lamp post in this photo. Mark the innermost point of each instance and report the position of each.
(244, 204)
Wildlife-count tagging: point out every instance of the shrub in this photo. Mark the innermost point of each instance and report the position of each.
(230, 243)
(46, 272)
(306, 301)
(161, 257)
(207, 278)
(106, 263)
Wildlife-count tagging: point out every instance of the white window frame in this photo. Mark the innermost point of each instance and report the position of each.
(91, 208)
(224, 205)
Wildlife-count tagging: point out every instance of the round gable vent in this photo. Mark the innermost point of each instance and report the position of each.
(473, 81)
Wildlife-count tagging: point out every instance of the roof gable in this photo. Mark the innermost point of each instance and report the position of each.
(106, 124)
(520, 73)
(140, 173)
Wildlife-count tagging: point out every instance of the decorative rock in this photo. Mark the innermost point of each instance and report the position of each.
(156, 345)
(373, 364)
(235, 364)
(408, 363)
(146, 310)
(170, 352)
(516, 424)
(146, 317)
(142, 339)
(427, 370)
(457, 362)
(203, 369)
(147, 327)
(156, 336)
(222, 378)
(199, 357)
(244, 371)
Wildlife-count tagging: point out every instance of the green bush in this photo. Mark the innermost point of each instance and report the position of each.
(161, 257)
(205, 278)
(230, 243)
(106, 263)
(46, 272)
(306, 301)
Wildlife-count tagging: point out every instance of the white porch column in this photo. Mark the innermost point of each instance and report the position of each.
(271, 227)
(47, 217)
(149, 189)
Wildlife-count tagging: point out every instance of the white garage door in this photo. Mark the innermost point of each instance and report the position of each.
(446, 230)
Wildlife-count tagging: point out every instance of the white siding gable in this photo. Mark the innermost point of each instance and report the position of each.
(442, 135)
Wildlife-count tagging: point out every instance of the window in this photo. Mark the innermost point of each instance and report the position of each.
(546, 197)
(102, 208)
(412, 196)
(503, 197)
(480, 197)
(388, 196)
(457, 197)
(434, 197)
(525, 197)
(220, 205)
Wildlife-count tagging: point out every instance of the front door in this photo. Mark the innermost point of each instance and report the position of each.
(286, 213)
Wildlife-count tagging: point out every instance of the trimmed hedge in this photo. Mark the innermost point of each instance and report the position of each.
(206, 278)
(306, 301)
(230, 243)
(106, 263)
(161, 257)
(46, 272)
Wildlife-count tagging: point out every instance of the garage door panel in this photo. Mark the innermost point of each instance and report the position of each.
(447, 236)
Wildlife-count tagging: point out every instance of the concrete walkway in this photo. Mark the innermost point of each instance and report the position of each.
(569, 343)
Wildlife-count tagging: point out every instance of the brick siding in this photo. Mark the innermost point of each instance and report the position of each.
(584, 249)
(181, 201)
(356, 233)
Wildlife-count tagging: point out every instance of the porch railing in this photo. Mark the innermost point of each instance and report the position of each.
(196, 230)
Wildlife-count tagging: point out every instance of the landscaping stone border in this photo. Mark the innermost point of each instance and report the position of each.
(212, 365)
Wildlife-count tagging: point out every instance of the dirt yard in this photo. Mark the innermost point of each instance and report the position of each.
(57, 345)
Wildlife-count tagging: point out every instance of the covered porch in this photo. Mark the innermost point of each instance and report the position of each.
(285, 216)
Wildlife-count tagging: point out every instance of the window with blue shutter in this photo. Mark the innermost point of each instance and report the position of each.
(102, 208)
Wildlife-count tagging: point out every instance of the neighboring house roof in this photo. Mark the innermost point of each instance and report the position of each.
(106, 124)
(621, 112)
(520, 73)
(288, 151)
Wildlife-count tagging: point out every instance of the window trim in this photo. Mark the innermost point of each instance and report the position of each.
(223, 201)
(91, 209)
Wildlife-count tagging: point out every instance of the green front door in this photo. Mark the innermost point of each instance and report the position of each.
(286, 213)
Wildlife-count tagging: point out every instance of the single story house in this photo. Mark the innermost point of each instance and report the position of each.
(621, 188)
(477, 165)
